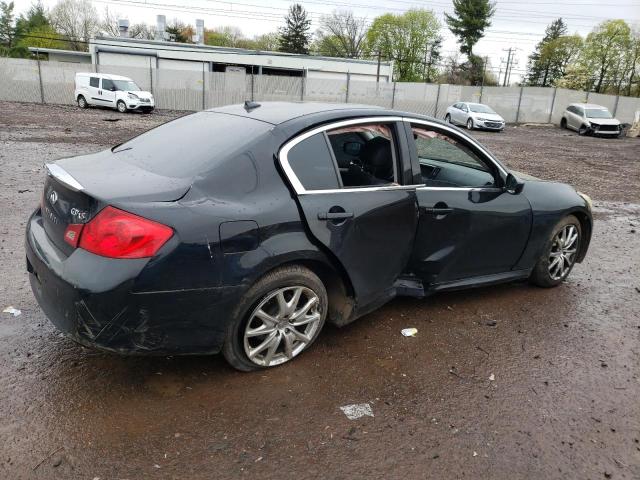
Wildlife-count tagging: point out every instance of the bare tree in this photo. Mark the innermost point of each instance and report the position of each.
(109, 23)
(143, 31)
(342, 34)
(77, 20)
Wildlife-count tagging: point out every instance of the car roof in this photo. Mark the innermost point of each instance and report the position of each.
(108, 76)
(280, 112)
(588, 105)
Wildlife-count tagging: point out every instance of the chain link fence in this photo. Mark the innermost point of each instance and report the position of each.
(53, 82)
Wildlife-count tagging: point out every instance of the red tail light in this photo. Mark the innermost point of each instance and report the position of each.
(118, 234)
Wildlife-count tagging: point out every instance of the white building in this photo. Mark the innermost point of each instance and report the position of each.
(159, 54)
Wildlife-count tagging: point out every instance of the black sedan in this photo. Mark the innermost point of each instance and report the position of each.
(243, 229)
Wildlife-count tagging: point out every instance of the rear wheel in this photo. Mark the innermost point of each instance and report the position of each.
(559, 254)
(82, 102)
(470, 124)
(122, 107)
(278, 318)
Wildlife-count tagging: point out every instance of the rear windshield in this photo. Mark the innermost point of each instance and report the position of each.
(477, 108)
(192, 144)
(597, 113)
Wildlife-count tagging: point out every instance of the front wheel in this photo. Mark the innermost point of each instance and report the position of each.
(470, 124)
(278, 318)
(559, 254)
(583, 130)
(447, 118)
(122, 107)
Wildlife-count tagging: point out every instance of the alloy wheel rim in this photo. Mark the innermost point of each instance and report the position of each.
(563, 252)
(121, 107)
(282, 325)
(469, 124)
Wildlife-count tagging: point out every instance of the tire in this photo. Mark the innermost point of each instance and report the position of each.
(470, 124)
(563, 123)
(121, 106)
(543, 273)
(263, 297)
(82, 102)
(447, 118)
(583, 130)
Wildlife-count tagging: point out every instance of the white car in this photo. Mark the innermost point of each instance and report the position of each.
(587, 118)
(112, 91)
(474, 115)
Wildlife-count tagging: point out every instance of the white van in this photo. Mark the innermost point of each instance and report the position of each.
(112, 91)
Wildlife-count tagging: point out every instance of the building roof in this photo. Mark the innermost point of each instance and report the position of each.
(59, 51)
(163, 45)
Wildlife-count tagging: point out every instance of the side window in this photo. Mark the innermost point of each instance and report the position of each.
(364, 154)
(446, 162)
(312, 163)
(94, 81)
(107, 84)
(579, 111)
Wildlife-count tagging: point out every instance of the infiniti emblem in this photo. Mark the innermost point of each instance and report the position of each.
(53, 197)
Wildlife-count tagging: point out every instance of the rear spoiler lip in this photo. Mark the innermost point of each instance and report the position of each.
(64, 177)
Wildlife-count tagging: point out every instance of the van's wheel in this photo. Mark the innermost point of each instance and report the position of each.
(122, 107)
(82, 102)
(277, 319)
(563, 123)
(559, 254)
(470, 124)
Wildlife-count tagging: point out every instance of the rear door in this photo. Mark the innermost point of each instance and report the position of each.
(108, 93)
(360, 213)
(94, 90)
(469, 226)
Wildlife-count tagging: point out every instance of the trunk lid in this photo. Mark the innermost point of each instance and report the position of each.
(77, 188)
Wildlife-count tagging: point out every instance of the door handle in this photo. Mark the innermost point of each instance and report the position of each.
(440, 208)
(334, 215)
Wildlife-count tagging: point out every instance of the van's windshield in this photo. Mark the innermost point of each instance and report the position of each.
(124, 85)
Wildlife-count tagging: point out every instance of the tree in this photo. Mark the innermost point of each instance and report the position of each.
(538, 70)
(341, 34)
(268, 42)
(432, 57)
(36, 17)
(295, 36)
(225, 37)
(77, 21)
(603, 47)
(143, 31)
(404, 39)
(179, 32)
(109, 24)
(556, 55)
(470, 20)
(7, 29)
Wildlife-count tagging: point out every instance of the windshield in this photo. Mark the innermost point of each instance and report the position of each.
(480, 108)
(126, 85)
(598, 113)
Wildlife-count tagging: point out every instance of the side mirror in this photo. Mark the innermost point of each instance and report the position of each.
(513, 184)
(352, 148)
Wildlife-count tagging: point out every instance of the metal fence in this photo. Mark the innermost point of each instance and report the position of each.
(53, 83)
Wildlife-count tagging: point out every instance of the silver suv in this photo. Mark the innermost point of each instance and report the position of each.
(590, 119)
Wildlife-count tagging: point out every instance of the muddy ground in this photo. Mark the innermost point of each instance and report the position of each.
(565, 361)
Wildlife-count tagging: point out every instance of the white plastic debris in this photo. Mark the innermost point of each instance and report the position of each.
(12, 310)
(492, 377)
(409, 332)
(475, 454)
(357, 410)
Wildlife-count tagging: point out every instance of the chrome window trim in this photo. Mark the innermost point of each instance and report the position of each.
(462, 189)
(456, 132)
(64, 177)
(295, 182)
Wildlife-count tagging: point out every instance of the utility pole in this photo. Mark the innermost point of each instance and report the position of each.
(484, 71)
(506, 72)
(378, 72)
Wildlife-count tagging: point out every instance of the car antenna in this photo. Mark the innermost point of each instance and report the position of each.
(250, 105)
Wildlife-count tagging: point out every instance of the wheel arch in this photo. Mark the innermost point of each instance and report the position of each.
(586, 225)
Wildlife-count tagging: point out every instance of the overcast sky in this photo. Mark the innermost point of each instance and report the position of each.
(517, 23)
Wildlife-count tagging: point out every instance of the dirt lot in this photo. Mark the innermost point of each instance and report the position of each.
(565, 362)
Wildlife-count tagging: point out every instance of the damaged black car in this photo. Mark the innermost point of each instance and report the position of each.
(243, 229)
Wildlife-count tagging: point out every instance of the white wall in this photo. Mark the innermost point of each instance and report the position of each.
(323, 74)
(126, 60)
(182, 65)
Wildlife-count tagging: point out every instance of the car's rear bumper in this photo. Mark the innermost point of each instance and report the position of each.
(92, 300)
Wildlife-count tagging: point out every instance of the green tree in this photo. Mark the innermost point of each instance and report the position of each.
(471, 18)
(267, 42)
(404, 39)
(538, 69)
(295, 36)
(602, 49)
(7, 28)
(43, 36)
(35, 17)
(179, 32)
(556, 55)
(341, 34)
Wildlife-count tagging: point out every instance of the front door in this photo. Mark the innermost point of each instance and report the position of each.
(469, 226)
(108, 93)
(357, 209)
